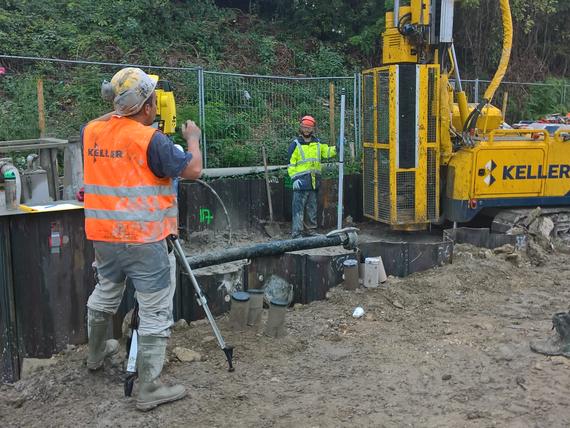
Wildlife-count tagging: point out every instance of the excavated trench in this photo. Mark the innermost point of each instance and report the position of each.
(59, 289)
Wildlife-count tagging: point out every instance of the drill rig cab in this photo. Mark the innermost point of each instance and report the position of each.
(429, 155)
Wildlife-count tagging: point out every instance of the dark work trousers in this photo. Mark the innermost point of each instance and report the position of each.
(304, 200)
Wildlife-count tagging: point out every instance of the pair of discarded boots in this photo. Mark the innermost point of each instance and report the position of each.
(150, 359)
(559, 343)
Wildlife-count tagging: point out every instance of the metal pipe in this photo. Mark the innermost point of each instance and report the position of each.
(461, 96)
(396, 12)
(241, 170)
(341, 161)
(458, 86)
(180, 256)
(262, 76)
(202, 115)
(355, 114)
(272, 248)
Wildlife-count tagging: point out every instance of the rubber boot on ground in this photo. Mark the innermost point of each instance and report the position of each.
(150, 359)
(99, 347)
(559, 343)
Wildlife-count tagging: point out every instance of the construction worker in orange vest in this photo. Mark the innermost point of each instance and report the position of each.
(305, 154)
(130, 208)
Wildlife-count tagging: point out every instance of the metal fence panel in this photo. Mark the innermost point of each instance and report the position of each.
(244, 112)
(523, 97)
(237, 112)
(72, 95)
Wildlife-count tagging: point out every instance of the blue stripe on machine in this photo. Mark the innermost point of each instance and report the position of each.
(459, 210)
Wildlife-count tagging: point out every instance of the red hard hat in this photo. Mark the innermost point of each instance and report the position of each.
(308, 121)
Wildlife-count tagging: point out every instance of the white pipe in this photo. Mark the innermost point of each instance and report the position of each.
(396, 12)
(341, 161)
(242, 170)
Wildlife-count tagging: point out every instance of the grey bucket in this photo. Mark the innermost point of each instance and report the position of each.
(239, 310)
(275, 326)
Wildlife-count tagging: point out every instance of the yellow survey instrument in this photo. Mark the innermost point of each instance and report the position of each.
(165, 106)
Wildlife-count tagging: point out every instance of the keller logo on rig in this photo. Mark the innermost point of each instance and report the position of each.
(488, 172)
(533, 172)
(524, 172)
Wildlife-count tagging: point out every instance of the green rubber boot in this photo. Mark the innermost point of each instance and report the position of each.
(559, 343)
(99, 348)
(150, 359)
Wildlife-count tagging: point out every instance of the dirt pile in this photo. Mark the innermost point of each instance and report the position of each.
(445, 347)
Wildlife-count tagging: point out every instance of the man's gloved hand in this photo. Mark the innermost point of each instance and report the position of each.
(297, 184)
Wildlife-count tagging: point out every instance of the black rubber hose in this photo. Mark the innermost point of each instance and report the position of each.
(471, 121)
(264, 249)
(408, 16)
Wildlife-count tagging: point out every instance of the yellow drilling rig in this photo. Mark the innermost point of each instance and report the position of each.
(428, 154)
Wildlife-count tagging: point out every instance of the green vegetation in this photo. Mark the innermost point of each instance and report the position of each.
(281, 37)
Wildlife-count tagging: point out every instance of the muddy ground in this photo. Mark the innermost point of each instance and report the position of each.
(446, 347)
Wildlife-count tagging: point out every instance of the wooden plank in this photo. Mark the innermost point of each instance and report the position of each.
(504, 107)
(41, 108)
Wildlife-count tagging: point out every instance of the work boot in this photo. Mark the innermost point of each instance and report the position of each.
(559, 343)
(150, 359)
(99, 348)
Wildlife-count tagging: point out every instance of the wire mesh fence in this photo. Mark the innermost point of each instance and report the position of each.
(71, 94)
(244, 112)
(522, 98)
(238, 113)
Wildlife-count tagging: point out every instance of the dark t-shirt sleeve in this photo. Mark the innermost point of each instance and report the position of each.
(165, 160)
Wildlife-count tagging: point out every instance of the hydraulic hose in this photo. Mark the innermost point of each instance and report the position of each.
(506, 53)
(203, 183)
(471, 121)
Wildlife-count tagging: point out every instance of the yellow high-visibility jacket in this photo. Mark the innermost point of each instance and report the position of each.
(305, 161)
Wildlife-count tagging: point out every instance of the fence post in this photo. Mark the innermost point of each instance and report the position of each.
(476, 95)
(331, 113)
(202, 116)
(358, 115)
(355, 109)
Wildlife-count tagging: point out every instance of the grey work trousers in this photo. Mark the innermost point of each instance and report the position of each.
(303, 200)
(152, 272)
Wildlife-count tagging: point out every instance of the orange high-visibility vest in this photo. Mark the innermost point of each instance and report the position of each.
(124, 200)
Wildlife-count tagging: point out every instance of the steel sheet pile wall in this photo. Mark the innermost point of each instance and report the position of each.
(45, 280)
(8, 336)
(246, 202)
